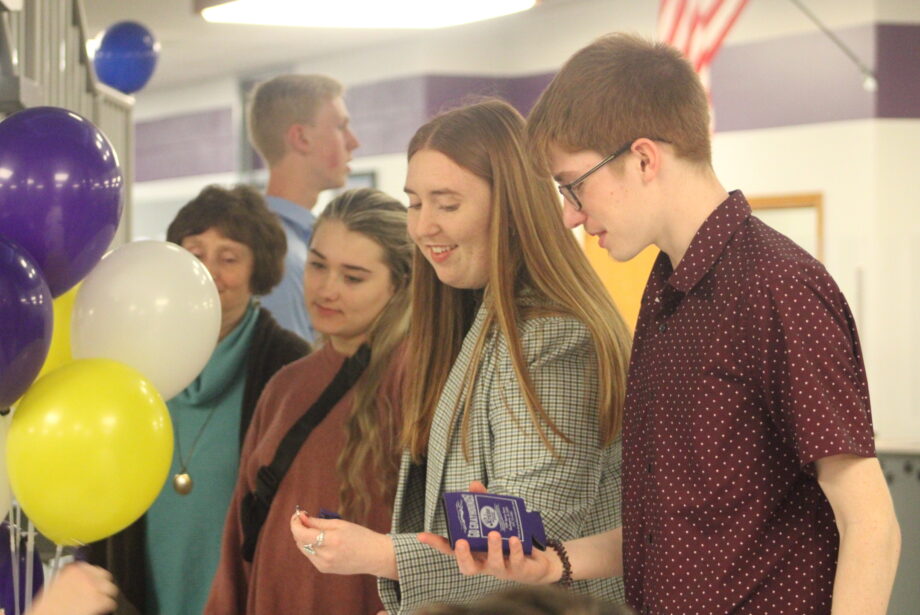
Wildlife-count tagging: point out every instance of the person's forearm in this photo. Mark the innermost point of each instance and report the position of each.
(384, 565)
(866, 567)
(596, 557)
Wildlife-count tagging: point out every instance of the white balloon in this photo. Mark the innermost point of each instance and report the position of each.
(151, 305)
(5, 494)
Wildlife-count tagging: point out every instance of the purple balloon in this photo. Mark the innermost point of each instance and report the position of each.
(60, 191)
(26, 320)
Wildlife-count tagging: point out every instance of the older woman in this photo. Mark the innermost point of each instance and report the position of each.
(517, 361)
(166, 561)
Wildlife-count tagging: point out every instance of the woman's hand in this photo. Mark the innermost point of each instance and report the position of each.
(79, 589)
(341, 547)
(539, 568)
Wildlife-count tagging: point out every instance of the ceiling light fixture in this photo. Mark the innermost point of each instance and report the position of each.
(412, 14)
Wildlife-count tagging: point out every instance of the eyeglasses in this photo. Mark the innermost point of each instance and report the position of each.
(568, 190)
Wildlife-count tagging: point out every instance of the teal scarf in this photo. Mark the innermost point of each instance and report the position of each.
(184, 531)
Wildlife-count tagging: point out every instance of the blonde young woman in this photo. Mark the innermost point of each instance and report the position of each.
(357, 292)
(516, 365)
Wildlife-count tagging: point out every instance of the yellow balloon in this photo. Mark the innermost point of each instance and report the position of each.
(59, 353)
(88, 450)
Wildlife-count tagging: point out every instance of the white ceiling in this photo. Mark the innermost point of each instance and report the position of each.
(193, 49)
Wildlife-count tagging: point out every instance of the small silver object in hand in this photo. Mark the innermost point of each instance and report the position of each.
(316, 544)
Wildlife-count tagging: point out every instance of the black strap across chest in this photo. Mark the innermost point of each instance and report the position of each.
(257, 503)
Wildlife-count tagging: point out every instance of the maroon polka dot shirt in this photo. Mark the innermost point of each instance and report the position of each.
(746, 368)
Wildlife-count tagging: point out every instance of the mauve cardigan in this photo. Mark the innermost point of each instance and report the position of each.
(280, 579)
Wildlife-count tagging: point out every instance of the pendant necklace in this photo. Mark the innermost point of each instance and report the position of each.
(182, 482)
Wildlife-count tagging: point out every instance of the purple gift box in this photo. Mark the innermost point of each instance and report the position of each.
(471, 516)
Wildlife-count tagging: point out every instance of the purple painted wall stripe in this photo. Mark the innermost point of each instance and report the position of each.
(385, 115)
(898, 61)
(793, 80)
(185, 145)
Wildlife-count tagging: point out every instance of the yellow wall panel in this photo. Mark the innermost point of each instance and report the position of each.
(624, 281)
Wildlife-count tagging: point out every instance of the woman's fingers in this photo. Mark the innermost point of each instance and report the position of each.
(467, 563)
(516, 556)
(495, 558)
(302, 534)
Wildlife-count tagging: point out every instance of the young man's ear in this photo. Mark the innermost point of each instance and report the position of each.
(649, 153)
(297, 138)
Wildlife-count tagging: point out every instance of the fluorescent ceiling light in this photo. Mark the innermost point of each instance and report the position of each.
(362, 13)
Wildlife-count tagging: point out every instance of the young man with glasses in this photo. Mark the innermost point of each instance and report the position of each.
(750, 478)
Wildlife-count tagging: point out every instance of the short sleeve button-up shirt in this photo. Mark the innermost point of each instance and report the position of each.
(746, 369)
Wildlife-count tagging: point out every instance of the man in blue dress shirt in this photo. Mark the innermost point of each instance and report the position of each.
(299, 125)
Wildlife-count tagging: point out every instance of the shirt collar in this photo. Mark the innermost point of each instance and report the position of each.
(289, 210)
(709, 242)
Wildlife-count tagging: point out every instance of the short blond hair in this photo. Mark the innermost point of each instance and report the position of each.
(281, 101)
(619, 88)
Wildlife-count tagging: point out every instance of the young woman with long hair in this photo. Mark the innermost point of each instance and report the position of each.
(342, 406)
(516, 364)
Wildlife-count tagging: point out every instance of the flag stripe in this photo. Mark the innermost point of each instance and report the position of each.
(724, 29)
(697, 27)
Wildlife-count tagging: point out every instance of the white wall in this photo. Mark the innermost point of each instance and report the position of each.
(157, 202)
(893, 292)
(834, 159)
(867, 173)
(391, 172)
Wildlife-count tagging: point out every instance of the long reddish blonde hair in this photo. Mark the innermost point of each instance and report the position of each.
(530, 249)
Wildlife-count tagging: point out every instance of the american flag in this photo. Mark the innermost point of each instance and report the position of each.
(698, 27)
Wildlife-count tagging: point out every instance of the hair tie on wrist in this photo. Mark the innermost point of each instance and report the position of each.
(566, 579)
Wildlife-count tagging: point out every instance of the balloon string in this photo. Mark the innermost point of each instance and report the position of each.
(14, 553)
(56, 562)
(13, 564)
(30, 553)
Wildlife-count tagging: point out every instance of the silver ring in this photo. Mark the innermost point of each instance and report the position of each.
(316, 544)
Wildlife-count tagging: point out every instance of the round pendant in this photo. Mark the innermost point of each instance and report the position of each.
(182, 483)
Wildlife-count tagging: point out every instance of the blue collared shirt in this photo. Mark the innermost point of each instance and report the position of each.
(286, 302)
